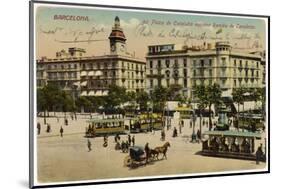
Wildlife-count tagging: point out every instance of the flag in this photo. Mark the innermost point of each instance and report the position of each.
(219, 31)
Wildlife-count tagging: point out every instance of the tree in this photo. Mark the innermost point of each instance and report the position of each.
(142, 98)
(159, 97)
(213, 98)
(84, 103)
(116, 96)
(238, 97)
(66, 102)
(42, 104)
(200, 93)
(173, 92)
(47, 98)
(208, 96)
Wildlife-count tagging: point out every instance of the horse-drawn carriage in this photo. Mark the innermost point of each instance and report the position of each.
(141, 156)
(136, 157)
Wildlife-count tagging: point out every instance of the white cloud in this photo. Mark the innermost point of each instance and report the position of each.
(132, 23)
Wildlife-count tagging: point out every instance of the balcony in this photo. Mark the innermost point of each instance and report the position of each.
(155, 76)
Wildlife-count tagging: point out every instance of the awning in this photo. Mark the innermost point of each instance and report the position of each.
(105, 93)
(84, 83)
(84, 93)
(98, 73)
(83, 73)
(91, 93)
(77, 83)
(91, 73)
(98, 93)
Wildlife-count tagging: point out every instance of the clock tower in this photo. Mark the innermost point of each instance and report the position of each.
(117, 39)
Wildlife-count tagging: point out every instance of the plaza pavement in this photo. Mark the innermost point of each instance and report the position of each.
(67, 158)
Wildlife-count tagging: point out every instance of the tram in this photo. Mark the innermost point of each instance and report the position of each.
(146, 122)
(185, 112)
(101, 127)
(252, 122)
(230, 144)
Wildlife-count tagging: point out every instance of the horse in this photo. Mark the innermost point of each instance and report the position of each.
(161, 149)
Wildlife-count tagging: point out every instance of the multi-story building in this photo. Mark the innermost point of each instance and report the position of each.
(92, 76)
(196, 66)
(166, 66)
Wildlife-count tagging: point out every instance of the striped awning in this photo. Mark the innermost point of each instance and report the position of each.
(83, 73)
(84, 83)
(91, 93)
(91, 73)
(84, 93)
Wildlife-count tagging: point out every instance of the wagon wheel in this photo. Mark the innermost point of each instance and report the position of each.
(127, 161)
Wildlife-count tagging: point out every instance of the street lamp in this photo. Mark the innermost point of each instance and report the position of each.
(193, 136)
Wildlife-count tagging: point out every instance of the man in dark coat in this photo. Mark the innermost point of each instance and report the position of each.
(38, 128)
(147, 151)
(61, 131)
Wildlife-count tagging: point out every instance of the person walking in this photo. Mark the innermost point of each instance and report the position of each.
(259, 154)
(38, 128)
(133, 140)
(180, 126)
(147, 152)
(89, 145)
(61, 131)
(129, 140)
(48, 128)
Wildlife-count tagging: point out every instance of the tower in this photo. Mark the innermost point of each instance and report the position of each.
(117, 39)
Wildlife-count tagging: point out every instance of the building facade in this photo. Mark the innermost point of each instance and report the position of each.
(92, 76)
(192, 66)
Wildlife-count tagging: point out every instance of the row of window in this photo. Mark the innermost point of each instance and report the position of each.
(201, 63)
(62, 66)
(168, 83)
(246, 64)
(168, 63)
(62, 75)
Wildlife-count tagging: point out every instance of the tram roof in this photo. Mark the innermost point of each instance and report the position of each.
(104, 120)
(233, 133)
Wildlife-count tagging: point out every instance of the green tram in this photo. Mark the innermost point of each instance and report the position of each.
(185, 112)
(230, 144)
(101, 127)
(252, 122)
(146, 122)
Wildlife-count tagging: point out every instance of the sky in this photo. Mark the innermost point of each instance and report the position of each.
(141, 28)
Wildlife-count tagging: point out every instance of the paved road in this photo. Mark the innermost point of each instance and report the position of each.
(67, 158)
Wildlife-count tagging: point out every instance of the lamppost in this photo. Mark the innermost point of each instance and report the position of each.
(193, 136)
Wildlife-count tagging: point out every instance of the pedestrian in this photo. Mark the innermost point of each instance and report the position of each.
(61, 131)
(180, 126)
(66, 121)
(58, 119)
(105, 141)
(147, 152)
(163, 135)
(203, 122)
(190, 123)
(71, 116)
(175, 132)
(198, 135)
(133, 140)
(48, 128)
(89, 144)
(38, 128)
(259, 154)
(129, 140)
